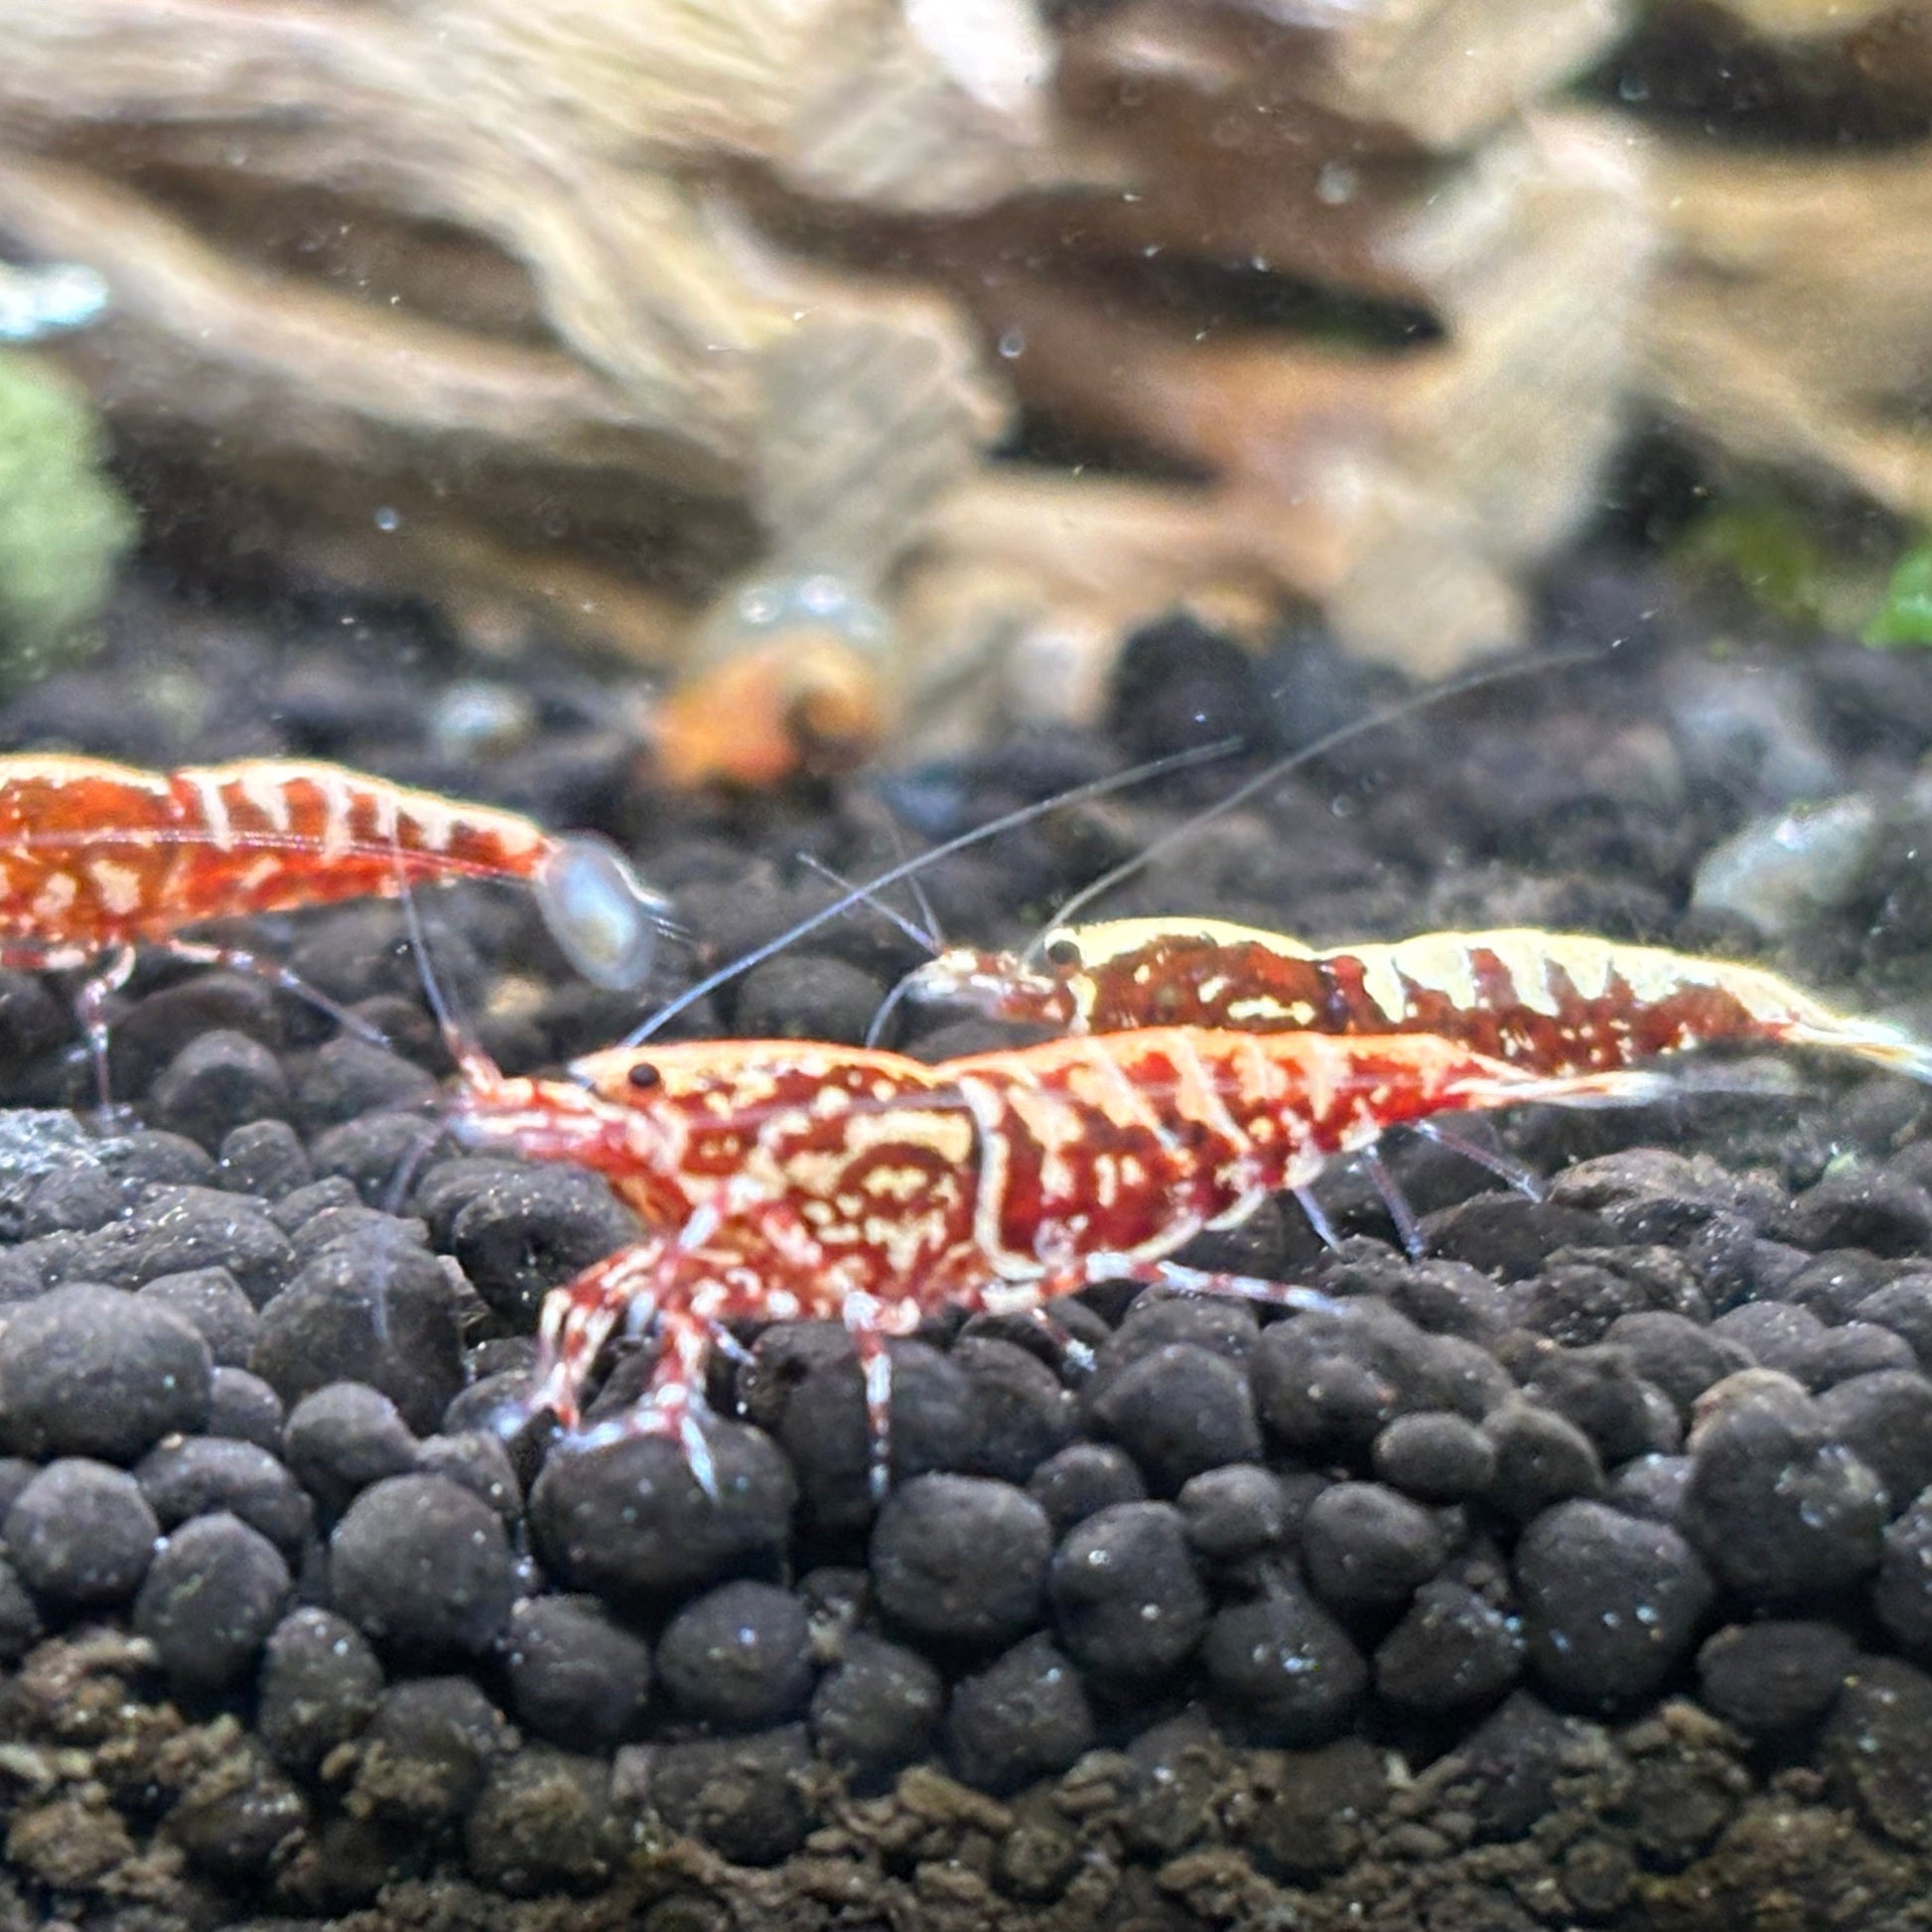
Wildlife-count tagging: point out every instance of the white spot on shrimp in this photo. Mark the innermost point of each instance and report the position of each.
(54, 897)
(119, 885)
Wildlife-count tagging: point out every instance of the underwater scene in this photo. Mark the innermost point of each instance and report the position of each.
(965, 964)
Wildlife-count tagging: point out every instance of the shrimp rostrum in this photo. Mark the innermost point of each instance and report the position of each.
(788, 1179)
(96, 859)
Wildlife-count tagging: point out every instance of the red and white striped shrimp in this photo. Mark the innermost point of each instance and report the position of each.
(97, 858)
(793, 1179)
(1554, 1002)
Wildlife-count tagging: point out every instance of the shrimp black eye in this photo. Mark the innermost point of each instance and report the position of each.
(1063, 952)
(645, 1076)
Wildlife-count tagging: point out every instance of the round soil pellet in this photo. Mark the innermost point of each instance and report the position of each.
(1365, 1547)
(531, 1230)
(82, 1535)
(742, 1796)
(1611, 1604)
(1435, 1455)
(878, 1709)
(197, 1475)
(344, 1437)
(266, 1158)
(319, 1685)
(218, 1081)
(574, 1676)
(1025, 1717)
(1285, 1671)
(961, 1559)
(740, 1656)
(1450, 1650)
(543, 1824)
(630, 1523)
(245, 1406)
(1177, 1411)
(427, 1752)
(1774, 1676)
(421, 1565)
(209, 1602)
(1233, 1513)
(1126, 1602)
(92, 1371)
(1082, 1479)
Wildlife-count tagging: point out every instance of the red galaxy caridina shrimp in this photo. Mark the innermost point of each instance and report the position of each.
(1552, 1002)
(798, 1179)
(96, 858)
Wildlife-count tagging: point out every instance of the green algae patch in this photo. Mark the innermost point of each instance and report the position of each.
(63, 526)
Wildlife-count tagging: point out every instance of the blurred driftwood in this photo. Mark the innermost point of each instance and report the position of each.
(487, 299)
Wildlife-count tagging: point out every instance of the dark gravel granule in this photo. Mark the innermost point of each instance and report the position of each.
(482, 1466)
(375, 1151)
(1906, 1308)
(1902, 1595)
(742, 1796)
(1780, 1512)
(1026, 1715)
(423, 1567)
(19, 1620)
(630, 1523)
(196, 1475)
(1672, 1353)
(374, 1309)
(1774, 1676)
(71, 1200)
(532, 1230)
(88, 1370)
(347, 1079)
(1885, 1419)
(1024, 1414)
(1286, 1672)
(1126, 1600)
(740, 1656)
(1878, 1747)
(1158, 1319)
(295, 1209)
(825, 1434)
(209, 1599)
(1452, 1649)
(1435, 1455)
(961, 1559)
(16, 1473)
(1883, 1213)
(210, 1301)
(1176, 1411)
(266, 1158)
(1510, 1238)
(1611, 1604)
(576, 1676)
(876, 1709)
(807, 996)
(1331, 1383)
(1233, 1513)
(82, 1535)
(1082, 1479)
(1364, 1547)
(173, 1229)
(426, 1752)
(1596, 1389)
(243, 1406)
(1652, 1486)
(1775, 1335)
(544, 1823)
(1540, 1460)
(148, 1155)
(344, 1437)
(218, 1081)
(319, 1685)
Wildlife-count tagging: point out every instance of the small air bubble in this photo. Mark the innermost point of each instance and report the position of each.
(1013, 344)
(389, 519)
(1337, 184)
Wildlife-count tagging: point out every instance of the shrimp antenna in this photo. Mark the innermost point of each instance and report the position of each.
(921, 936)
(1328, 741)
(858, 894)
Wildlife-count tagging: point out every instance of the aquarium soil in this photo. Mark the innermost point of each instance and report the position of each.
(1579, 1574)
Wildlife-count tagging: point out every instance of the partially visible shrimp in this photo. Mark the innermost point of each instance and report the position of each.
(1553, 1002)
(97, 858)
(795, 1179)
